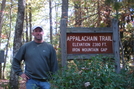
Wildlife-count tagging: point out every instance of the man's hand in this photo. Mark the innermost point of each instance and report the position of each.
(24, 77)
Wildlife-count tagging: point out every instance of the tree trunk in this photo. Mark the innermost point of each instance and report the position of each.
(50, 17)
(17, 40)
(99, 16)
(56, 15)
(78, 13)
(30, 21)
(1, 17)
(26, 20)
(8, 42)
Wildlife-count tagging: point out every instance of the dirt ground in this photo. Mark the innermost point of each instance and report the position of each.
(4, 84)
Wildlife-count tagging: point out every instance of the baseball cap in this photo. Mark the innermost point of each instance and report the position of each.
(34, 27)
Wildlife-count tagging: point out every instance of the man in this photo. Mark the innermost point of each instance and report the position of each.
(40, 61)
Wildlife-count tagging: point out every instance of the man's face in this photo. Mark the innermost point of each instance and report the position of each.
(38, 34)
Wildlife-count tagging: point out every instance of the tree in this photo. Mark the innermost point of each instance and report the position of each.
(1, 17)
(17, 40)
(50, 19)
(90, 13)
(1, 14)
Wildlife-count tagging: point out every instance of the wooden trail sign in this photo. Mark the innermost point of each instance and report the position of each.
(82, 43)
(89, 43)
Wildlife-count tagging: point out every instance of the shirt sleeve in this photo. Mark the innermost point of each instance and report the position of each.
(16, 64)
(54, 62)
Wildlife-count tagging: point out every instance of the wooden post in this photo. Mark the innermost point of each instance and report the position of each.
(1, 56)
(63, 27)
(116, 45)
(1, 60)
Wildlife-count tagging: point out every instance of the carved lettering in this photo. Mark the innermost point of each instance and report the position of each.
(75, 49)
(105, 38)
(80, 44)
(89, 43)
(90, 49)
(83, 38)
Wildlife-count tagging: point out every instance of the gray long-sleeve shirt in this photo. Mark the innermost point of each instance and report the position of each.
(40, 60)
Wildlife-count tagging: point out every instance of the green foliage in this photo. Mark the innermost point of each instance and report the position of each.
(96, 73)
(108, 2)
(4, 86)
(117, 5)
(103, 25)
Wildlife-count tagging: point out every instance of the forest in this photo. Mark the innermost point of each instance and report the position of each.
(17, 17)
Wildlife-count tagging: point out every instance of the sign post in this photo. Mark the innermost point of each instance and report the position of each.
(1, 56)
(116, 45)
(1, 60)
(63, 43)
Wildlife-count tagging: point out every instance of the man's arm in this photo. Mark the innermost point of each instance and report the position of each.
(16, 64)
(54, 62)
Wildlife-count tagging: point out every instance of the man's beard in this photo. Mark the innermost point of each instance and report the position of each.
(39, 39)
